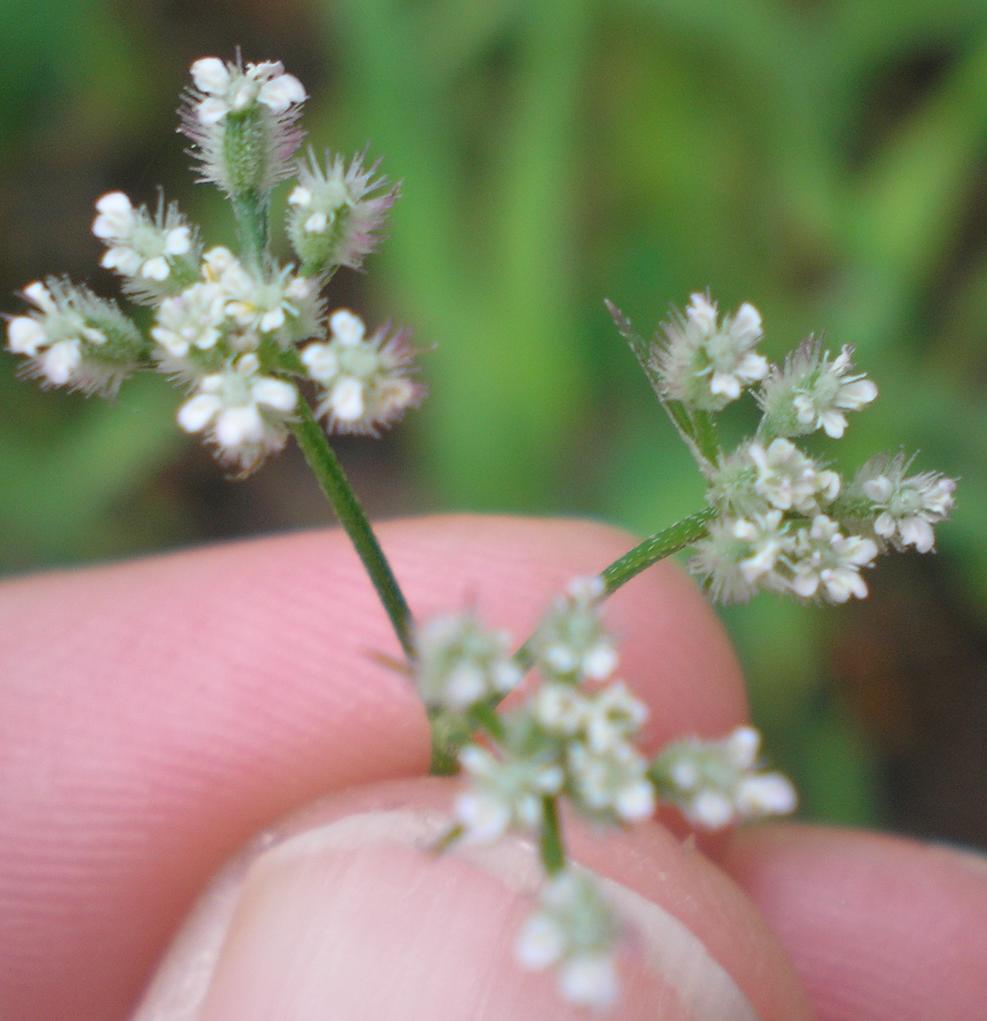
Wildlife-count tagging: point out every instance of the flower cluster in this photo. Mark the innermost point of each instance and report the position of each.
(72, 338)
(572, 738)
(459, 662)
(786, 522)
(716, 783)
(229, 326)
(574, 930)
(365, 381)
(706, 363)
(336, 212)
(242, 122)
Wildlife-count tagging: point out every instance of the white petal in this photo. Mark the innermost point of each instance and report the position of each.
(116, 215)
(25, 335)
(238, 426)
(317, 223)
(636, 803)
(747, 323)
(766, 794)
(484, 818)
(540, 942)
(878, 489)
(272, 320)
(590, 980)
(752, 367)
(59, 362)
(211, 75)
(123, 260)
(346, 327)
(281, 92)
(301, 196)
(711, 809)
(742, 746)
(211, 111)
(833, 423)
(725, 383)
(917, 532)
(178, 241)
(156, 268)
(196, 413)
(805, 584)
(855, 395)
(600, 661)
(347, 399)
(702, 312)
(321, 362)
(276, 394)
(39, 295)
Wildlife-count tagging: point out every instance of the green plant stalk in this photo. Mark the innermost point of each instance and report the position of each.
(332, 480)
(550, 843)
(250, 210)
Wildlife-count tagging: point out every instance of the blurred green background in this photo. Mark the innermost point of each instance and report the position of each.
(824, 160)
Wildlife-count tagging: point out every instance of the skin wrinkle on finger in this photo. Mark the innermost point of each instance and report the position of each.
(154, 714)
(684, 975)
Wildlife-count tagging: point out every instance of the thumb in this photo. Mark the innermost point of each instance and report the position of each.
(343, 913)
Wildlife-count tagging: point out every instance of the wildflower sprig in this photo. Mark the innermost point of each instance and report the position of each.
(261, 353)
(572, 740)
(782, 520)
(243, 333)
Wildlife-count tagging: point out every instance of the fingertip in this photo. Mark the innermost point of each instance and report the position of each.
(878, 927)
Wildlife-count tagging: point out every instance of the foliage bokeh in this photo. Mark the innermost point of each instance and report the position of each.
(824, 160)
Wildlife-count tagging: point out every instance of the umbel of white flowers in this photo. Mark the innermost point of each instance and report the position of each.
(238, 331)
(787, 522)
(573, 739)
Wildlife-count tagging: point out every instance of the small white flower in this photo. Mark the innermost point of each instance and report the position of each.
(765, 794)
(571, 641)
(741, 556)
(72, 338)
(191, 319)
(716, 782)
(366, 380)
(590, 980)
(706, 364)
(574, 930)
(242, 121)
(226, 89)
(144, 249)
(612, 784)
(904, 507)
(503, 792)
(335, 212)
(757, 478)
(613, 715)
(811, 392)
(826, 562)
(243, 413)
(459, 662)
(279, 305)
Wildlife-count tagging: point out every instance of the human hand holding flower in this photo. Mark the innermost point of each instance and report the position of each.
(153, 716)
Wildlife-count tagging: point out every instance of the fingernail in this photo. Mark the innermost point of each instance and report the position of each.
(355, 919)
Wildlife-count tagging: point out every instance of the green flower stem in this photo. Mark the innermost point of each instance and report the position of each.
(656, 547)
(250, 210)
(550, 841)
(329, 472)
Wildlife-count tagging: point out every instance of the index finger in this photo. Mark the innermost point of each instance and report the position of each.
(153, 715)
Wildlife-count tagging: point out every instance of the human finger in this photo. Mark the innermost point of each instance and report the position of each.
(153, 715)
